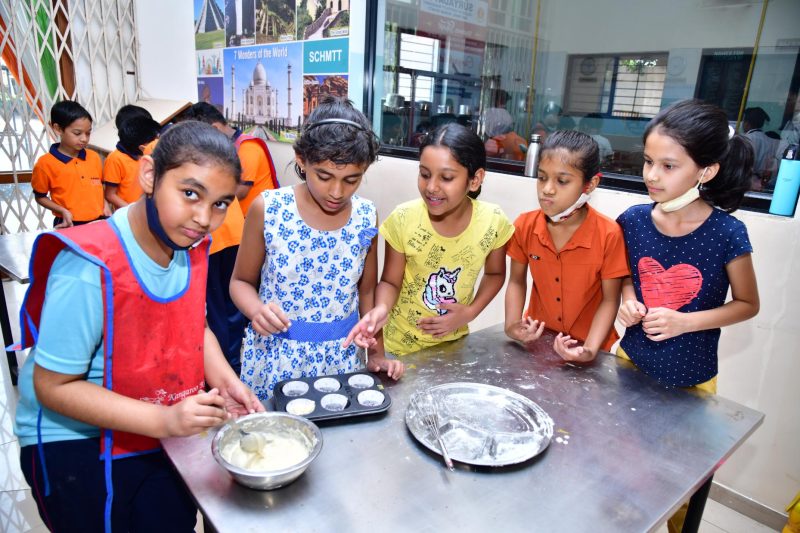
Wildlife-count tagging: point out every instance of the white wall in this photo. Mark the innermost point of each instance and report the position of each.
(759, 359)
(165, 33)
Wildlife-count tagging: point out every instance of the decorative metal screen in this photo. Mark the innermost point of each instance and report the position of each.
(53, 50)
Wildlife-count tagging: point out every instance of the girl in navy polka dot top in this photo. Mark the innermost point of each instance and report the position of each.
(685, 249)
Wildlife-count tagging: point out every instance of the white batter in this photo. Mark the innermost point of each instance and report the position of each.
(261, 452)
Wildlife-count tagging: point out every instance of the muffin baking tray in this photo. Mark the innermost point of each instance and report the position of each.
(332, 397)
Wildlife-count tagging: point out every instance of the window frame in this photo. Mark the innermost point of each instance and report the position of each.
(573, 70)
(753, 200)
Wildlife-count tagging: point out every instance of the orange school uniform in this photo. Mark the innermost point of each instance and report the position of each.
(230, 231)
(72, 182)
(567, 287)
(121, 170)
(257, 169)
(149, 147)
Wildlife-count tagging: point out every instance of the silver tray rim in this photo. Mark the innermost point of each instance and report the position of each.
(434, 447)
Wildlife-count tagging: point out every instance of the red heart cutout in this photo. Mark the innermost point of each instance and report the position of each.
(672, 288)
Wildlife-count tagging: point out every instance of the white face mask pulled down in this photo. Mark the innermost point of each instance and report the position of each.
(684, 199)
(566, 213)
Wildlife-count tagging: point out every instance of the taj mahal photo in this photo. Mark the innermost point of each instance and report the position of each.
(263, 89)
(260, 100)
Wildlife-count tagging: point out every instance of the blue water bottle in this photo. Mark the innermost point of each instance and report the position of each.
(787, 185)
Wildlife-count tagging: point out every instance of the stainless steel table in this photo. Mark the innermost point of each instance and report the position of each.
(15, 253)
(635, 451)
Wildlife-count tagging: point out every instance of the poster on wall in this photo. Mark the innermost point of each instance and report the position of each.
(267, 63)
(317, 87)
(240, 22)
(210, 90)
(209, 62)
(263, 90)
(325, 68)
(275, 21)
(209, 25)
(320, 20)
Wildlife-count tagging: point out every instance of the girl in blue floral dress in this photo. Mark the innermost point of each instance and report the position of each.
(307, 265)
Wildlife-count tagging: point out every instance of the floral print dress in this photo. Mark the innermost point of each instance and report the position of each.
(313, 276)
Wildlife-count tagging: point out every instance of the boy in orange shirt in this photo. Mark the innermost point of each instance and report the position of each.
(576, 255)
(70, 173)
(121, 168)
(258, 170)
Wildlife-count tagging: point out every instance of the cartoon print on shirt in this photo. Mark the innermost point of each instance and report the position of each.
(671, 288)
(441, 288)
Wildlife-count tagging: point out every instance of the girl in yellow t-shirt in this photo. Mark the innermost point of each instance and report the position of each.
(435, 249)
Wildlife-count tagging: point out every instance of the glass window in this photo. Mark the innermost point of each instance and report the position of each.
(510, 68)
(628, 86)
(420, 54)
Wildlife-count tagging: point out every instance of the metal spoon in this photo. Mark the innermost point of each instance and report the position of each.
(252, 442)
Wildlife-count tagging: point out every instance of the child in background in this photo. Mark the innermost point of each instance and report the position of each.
(258, 171)
(576, 255)
(183, 116)
(128, 112)
(685, 250)
(592, 124)
(121, 168)
(224, 319)
(307, 265)
(764, 163)
(258, 175)
(77, 412)
(435, 249)
(502, 141)
(70, 173)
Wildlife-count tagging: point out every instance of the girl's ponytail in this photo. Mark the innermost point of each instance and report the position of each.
(733, 180)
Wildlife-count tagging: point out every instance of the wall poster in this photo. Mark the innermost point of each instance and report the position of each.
(266, 63)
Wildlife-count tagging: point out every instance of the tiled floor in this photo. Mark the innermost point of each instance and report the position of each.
(18, 510)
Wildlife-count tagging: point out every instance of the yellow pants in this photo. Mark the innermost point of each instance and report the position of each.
(793, 524)
(675, 522)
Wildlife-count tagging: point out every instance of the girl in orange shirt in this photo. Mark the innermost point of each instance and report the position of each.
(576, 256)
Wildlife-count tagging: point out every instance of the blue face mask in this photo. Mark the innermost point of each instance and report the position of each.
(155, 224)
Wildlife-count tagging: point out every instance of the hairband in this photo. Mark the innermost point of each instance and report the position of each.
(731, 132)
(334, 121)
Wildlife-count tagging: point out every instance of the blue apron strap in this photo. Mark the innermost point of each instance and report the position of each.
(40, 448)
(319, 331)
(108, 460)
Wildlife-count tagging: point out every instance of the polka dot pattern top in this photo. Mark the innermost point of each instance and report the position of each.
(684, 273)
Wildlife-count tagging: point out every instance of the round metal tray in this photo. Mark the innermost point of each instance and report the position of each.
(480, 424)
